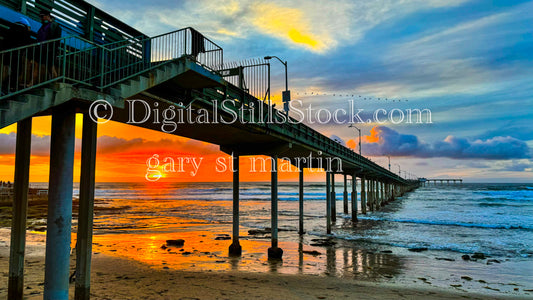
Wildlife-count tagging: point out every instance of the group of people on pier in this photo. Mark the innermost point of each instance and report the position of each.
(25, 67)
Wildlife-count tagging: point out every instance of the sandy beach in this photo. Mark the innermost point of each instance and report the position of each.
(117, 278)
(114, 276)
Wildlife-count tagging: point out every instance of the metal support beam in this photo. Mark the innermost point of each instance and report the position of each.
(20, 211)
(354, 198)
(345, 198)
(328, 202)
(333, 199)
(301, 202)
(84, 239)
(59, 222)
(363, 195)
(274, 252)
(235, 248)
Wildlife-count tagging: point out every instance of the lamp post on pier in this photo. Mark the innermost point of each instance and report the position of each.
(351, 125)
(286, 95)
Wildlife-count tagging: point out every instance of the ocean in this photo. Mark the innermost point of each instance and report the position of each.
(495, 219)
(449, 220)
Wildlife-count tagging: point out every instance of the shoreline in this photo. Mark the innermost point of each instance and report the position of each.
(119, 278)
(127, 268)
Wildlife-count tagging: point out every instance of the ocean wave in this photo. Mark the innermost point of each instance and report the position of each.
(495, 204)
(449, 223)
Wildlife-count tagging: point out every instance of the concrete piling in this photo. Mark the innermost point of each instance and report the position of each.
(345, 195)
(333, 199)
(274, 252)
(57, 260)
(235, 248)
(363, 195)
(354, 198)
(20, 210)
(328, 202)
(301, 202)
(86, 208)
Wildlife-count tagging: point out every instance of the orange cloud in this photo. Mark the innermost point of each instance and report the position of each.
(289, 24)
(373, 137)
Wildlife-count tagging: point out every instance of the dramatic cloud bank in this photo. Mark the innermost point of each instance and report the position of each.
(386, 141)
(40, 145)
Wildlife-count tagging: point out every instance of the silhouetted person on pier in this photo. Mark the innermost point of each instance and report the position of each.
(16, 62)
(198, 45)
(47, 54)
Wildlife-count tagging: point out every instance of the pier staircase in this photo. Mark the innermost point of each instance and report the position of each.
(86, 72)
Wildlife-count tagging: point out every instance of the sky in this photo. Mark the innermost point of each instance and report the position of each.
(468, 62)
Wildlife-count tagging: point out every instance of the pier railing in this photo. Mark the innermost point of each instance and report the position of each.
(123, 61)
(70, 58)
(75, 59)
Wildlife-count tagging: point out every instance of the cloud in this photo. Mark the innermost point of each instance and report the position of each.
(315, 26)
(113, 145)
(40, 145)
(519, 131)
(518, 166)
(386, 141)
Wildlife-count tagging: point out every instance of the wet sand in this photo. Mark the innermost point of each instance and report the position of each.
(117, 278)
(136, 267)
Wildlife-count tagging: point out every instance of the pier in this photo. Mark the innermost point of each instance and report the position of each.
(441, 181)
(175, 70)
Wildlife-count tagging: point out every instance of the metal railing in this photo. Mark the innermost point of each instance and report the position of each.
(252, 76)
(121, 62)
(69, 58)
(78, 60)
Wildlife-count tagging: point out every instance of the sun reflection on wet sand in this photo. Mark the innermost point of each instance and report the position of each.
(207, 250)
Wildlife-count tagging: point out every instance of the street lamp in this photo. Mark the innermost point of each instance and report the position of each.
(286, 95)
(399, 170)
(351, 125)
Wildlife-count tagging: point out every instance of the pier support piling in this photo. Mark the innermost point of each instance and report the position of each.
(345, 195)
(235, 248)
(333, 199)
(354, 198)
(59, 222)
(371, 194)
(382, 194)
(328, 202)
(86, 208)
(376, 195)
(363, 195)
(301, 202)
(274, 252)
(20, 210)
